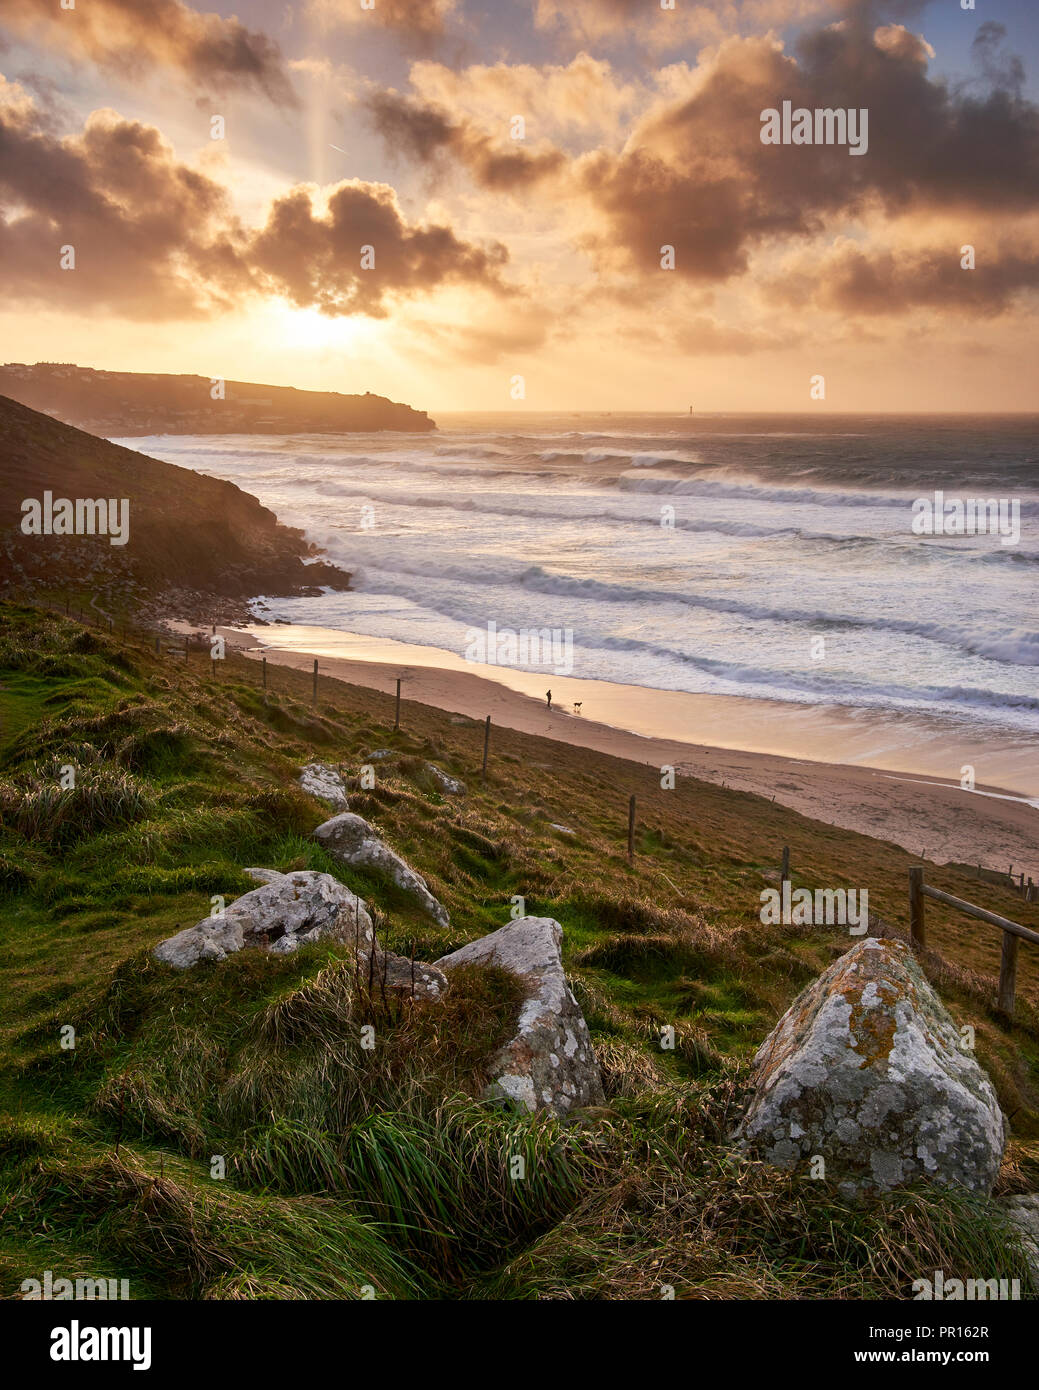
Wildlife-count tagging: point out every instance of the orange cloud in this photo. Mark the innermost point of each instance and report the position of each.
(156, 239)
(129, 35)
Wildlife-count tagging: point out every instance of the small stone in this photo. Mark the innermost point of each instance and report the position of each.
(323, 781)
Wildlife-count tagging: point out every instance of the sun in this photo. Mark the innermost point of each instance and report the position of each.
(305, 330)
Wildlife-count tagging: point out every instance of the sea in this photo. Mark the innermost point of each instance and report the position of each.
(747, 556)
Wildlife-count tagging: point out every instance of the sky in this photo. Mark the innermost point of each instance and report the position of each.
(529, 204)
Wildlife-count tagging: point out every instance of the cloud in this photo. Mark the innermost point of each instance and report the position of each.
(875, 281)
(425, 132)
(156, 239)
(420, 23)
(129, 36)
(153, 239)
(314, 256)
(645, 24)
(695, 175)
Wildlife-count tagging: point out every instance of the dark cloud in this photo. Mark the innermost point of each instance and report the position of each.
(131, 36)
(155, 239)
(424, 132)
(697, 177)
(315, 258)
(854, 280)
(1001, 70)
(152, 238)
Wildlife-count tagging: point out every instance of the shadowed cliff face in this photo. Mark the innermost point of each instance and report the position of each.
(183, 530)
(133, 403)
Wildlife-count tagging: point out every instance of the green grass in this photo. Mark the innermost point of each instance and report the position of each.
(223, 1133)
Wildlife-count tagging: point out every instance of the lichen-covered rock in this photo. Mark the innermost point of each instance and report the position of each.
(549, 1064)
(866, 1069)
(351, 840)
(444, 783)
(323, 781)
(263, 875)
(291, 910)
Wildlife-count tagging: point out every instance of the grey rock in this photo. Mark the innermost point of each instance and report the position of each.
(392, 975)
(323, 781)
(263, 875)
(866, 1069)
(550, 1063)
(282, 915)
(1024, 1213)
(351, 840)
(445, 784)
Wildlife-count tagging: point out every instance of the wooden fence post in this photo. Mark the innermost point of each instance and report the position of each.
(486, 745)
(396, 717)
(631, 829)
(917, 929)
(1008, 974)
(265, 673)
(784, 872)
(313, 698)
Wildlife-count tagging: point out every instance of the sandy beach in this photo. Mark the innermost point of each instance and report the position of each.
(880, 780)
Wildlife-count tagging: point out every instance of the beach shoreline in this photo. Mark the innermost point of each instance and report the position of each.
(899, 799)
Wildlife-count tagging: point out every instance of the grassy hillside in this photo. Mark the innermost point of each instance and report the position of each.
(348, 1172)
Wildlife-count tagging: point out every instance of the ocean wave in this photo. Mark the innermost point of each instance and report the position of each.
(1009, 646)
(626, 457)
(835, 690)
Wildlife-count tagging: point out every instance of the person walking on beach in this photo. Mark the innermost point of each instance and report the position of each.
(548, 697)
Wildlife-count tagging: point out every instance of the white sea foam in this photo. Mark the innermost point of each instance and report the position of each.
(771, 539)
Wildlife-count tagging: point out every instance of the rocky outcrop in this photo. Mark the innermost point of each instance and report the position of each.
(323, 781)
(549, 1064)
(282, 915)
(866, 1069)
(350, 839)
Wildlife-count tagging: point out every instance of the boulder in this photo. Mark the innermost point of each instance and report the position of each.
(351, 840)
(291, 910)
(866, 1069)
(323, 781)
(549, 1064)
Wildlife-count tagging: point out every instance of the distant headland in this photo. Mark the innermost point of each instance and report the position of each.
(142, 403)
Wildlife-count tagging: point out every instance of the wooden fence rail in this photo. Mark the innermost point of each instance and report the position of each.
(1013, 932)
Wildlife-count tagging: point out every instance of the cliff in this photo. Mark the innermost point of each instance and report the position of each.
(133, 403)
(182, 530)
